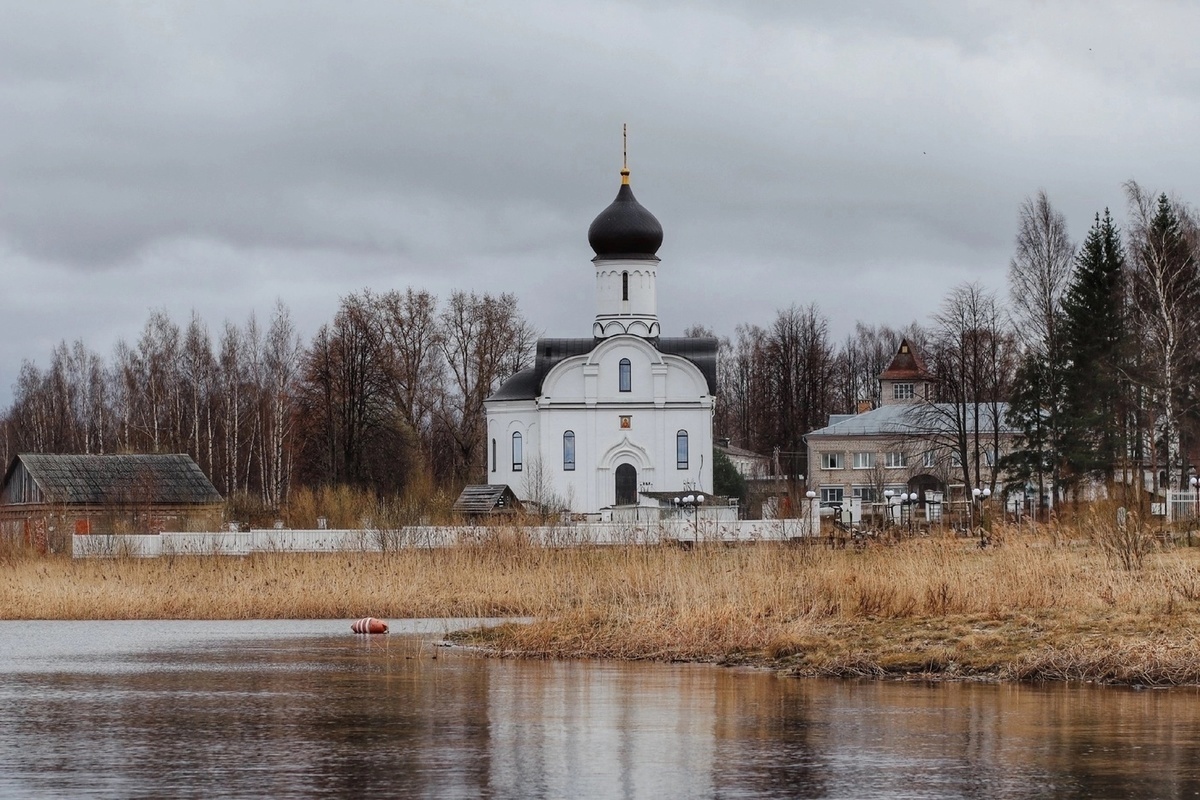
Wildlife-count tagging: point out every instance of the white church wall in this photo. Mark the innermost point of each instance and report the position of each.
(503, 422)
(614, 313)
(682, 384)
(565, 382)
(601, 445)
(570, 487)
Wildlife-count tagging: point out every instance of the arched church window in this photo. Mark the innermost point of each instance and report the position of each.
(493, 455)
(569, 450)
(625, 370)
(681, 450)
(517, 454)
(624, 285)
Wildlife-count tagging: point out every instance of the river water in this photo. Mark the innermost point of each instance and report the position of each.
(307, 709)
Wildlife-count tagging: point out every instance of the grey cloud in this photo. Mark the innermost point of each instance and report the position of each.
(863, 156)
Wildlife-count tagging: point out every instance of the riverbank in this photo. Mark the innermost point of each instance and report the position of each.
(1037, 607)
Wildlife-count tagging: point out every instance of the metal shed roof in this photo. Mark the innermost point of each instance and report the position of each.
(97, 480)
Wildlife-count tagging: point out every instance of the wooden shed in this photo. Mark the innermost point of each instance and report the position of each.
(45, 498)
(487, 499)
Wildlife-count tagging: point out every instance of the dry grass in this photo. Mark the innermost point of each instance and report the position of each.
(1038, 607)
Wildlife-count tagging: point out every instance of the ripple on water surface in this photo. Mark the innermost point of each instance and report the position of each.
(305, 708)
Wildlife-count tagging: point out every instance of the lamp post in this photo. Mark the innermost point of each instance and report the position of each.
(974, 501)
(979, 496)
(906, 501)
(811, 495)
(692, 502)
(1194, 482)
(887, 506)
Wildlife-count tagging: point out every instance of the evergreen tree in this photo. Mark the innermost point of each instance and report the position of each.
(1094, 380)
(1033, 408)
(727, 481)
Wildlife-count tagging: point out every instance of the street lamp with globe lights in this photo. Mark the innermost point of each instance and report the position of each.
(692, 502)
(907, 499)
(811, 495)
(887, 506)
(979, 496)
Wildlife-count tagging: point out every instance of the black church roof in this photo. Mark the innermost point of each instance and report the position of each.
(527, 384)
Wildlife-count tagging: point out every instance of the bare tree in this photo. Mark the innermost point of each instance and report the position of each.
(281, 361)
(197, 367)
(157, 361)
(972, 362)
(484, 340)
(801, 367)
(1038, 273)
(413, 354)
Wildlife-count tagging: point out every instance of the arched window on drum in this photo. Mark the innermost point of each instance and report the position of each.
(569, 451)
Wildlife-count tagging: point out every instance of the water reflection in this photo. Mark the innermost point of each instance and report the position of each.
(297, 709)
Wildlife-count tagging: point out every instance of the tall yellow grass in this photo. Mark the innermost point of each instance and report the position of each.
(1038, 606)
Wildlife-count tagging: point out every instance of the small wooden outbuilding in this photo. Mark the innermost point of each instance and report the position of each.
(487, 499)
(45, 498)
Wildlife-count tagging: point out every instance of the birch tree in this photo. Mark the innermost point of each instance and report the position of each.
(1165, 293)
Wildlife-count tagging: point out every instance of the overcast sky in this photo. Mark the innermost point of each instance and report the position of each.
(218, 156)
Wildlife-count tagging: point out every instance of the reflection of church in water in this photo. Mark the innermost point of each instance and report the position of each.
(622, 417)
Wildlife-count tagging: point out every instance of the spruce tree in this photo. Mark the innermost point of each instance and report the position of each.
(1032, 407)
(1094, 379)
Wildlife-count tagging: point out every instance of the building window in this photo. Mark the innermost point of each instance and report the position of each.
(624, 285)
(624, 373)
(930, 459)
(832, 494)
(864, 460)
(493, 455)
(832, 461)
(990, 457)
(866, 494)
(518, 455)
(569, 450)
(902, 391)
(896, 460)
(681, 450)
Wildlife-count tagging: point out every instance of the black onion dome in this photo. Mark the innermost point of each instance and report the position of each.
(625, 229)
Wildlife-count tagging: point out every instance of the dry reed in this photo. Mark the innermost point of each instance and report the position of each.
(1038, 607)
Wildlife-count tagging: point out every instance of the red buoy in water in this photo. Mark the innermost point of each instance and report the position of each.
(369, 625)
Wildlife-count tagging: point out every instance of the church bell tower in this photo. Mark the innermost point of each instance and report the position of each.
(626, 237)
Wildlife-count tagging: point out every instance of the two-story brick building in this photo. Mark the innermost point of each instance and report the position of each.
(910, 445)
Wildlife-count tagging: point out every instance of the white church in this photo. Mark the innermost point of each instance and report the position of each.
(619, 419)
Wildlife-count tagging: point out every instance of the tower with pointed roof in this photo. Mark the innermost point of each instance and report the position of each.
(906, 380)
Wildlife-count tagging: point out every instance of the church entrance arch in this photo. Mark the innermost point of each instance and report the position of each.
(626, 476)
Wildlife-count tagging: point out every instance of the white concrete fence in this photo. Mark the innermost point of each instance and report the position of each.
(377, 541)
